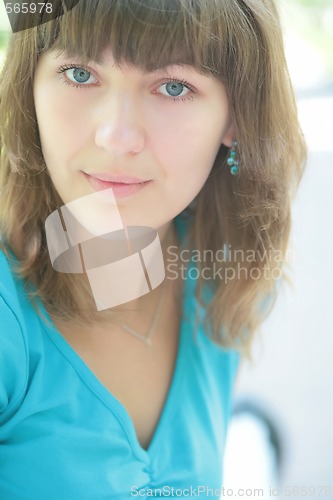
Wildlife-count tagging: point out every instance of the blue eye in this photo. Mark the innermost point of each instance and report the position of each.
(175, 89)
(81, 75)
(77, 75)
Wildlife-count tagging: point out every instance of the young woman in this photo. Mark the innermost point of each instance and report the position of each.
(180, 115)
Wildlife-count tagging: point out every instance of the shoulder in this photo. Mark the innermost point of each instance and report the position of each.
(13, 349)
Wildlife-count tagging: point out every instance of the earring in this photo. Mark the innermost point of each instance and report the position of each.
(233, 161)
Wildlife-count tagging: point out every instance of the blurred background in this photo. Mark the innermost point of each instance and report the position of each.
(291, 378)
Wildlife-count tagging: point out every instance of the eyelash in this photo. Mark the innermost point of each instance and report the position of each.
(63, 79)
(65, 68)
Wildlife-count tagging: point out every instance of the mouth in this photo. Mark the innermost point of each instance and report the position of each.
(122, 186)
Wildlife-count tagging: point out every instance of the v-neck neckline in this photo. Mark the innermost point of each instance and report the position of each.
(106, 396)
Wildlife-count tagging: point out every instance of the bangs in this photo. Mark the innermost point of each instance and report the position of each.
(149, 34)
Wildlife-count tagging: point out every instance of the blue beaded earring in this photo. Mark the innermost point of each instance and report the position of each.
(233, 161)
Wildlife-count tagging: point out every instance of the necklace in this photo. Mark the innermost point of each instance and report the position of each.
(147, 339)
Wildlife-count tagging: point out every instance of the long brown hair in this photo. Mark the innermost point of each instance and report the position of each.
(240, 43)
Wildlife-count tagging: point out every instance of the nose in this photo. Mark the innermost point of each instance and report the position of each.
(120, 129)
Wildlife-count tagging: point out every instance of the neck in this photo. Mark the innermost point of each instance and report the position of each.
(147, 302)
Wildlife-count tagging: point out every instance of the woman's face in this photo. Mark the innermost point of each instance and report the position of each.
(100, 120)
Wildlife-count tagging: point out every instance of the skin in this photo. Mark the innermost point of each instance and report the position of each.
(123, 121)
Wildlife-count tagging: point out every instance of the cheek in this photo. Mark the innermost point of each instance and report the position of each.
(186, 160)
(60, 129)
(184, 146)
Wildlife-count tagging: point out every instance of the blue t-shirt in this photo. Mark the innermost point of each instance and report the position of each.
(63, 435)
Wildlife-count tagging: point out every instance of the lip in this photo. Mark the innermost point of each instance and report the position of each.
(119, 179)
(127, 186)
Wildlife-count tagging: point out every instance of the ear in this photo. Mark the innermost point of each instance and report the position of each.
(228, 136)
